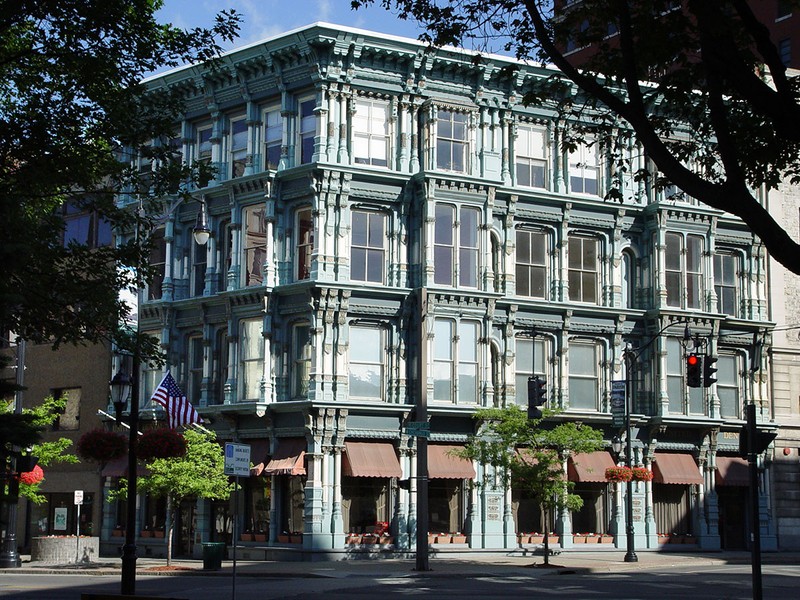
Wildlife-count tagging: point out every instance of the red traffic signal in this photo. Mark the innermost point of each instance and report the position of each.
(694, 370)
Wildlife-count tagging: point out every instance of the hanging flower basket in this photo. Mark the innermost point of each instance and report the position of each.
(102, 446)
(618, 474)
(32, 477)
(160, 443)
(641, 474)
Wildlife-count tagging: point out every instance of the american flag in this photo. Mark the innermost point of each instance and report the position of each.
(179, 409)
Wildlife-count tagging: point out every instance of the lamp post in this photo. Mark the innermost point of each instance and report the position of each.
(124, 386)
(9, 556)
(630, 553)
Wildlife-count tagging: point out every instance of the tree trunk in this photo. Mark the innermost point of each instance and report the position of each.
(169, 526)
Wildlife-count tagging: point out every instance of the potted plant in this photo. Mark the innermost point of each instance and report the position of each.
(146, 532)
(283, 538)
(260, 536)
(118, 531)
(352, 539)
(618, 474)
(296, 537)
(158, 532)
(102, 446)
(641, 474)
(536, 538)
(606, 538)
(552, 538)
(579, 538)
(459, 538)
(246, 536)
(432, 538)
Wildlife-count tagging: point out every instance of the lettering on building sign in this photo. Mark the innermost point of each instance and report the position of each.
(493, 508)
(638, 513)
(730, 435)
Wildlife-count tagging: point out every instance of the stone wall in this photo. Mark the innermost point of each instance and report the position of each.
(63, 550)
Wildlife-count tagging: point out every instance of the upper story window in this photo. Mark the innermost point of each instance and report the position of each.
(301, 360)
(728, 385)
(306, 130)
(273, 138)
(70, 417)
(305, 243)
(584, 375)
(583, 269)
(254, 245)
(584, 169)
(677, 390)
(367, 352)
(628, 280)
(238, 145)
(785, 51)
(531, 267)
(219, 366)
(367, 250)
(531, 156)
(199, 265)
(371, 132)
(251, 361)
(531, 359)
(726, 283)
(84, 226)
(196, 351)
(158, 264)
(683, 263)
(203, 135)
(455, 361)
(452, 141)
(455, 254)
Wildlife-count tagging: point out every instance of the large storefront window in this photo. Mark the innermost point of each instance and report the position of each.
(365, 502)
(445, 505)
(58, 515)
(594, 516)
(292, 503)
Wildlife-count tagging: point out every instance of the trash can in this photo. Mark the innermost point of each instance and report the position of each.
(212, 555)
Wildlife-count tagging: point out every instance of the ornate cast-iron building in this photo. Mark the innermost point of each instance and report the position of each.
(359, 172)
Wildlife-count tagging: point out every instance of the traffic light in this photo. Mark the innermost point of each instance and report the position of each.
(708, 370)
(763, 438)
(694, 370)
(537, 396)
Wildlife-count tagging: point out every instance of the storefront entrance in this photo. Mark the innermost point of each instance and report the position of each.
(733, 518)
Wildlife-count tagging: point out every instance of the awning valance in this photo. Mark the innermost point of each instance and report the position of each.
(442, 464)
(732, 470)
(370, 459)
(288, 458)
(119, 468)
(589, 467)
(675, 468)
(258, 456)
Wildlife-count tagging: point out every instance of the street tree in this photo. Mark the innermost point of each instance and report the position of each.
(72, 103)
(197, 474)
(529, 454)
(718, 116)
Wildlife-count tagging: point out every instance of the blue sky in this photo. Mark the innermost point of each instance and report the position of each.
(266, 18)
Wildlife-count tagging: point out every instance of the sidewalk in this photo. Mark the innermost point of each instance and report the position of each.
(462, 564)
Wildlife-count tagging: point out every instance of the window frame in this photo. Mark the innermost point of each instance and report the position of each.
(301, 360)
(304, 243)
(574, 377)
(540, 358)
(447, 138)
(690, 283)
(203, 145)
(251, 338)
(579, 166)
(526, 159)
(372, 138)
(729, 387)
(522, 265)
(370, 252)
(237, 154)
(372, 365)
(272, 142)
(581, 268)
(449, 368)
(452, 239)
(733, 286)
(253, 244)
(306, 130)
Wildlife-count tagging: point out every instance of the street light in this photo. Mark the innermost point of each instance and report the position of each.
(630, 554)
(123, 386)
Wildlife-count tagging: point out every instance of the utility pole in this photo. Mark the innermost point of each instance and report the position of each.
(422, 563)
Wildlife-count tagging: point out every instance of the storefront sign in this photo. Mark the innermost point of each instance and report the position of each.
(493, 511)
(237, 460)
(60, 519)
(618, 403)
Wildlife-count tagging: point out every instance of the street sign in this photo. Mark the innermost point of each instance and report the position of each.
(237, 460)
(78, 499)
(618, 403)
(418, 429)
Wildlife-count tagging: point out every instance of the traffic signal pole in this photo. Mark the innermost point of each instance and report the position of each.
(755, 519)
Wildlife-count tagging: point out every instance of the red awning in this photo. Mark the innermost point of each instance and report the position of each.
(677, 469)
(259, 449)
(442, 464)
(370, 459)
(288, 458)
(589, 467)
(732, 470)
(119, 468)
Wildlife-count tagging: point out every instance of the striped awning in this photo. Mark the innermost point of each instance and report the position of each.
(589, 467)
(288, 458)
(732, 471)
(370, 459)
(676, 469)
(443, 464)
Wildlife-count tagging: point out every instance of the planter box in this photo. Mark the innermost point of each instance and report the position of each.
(536, 539)
(296, 538)
(283, 538)
(146, 534)
(606, 539)
(353, 538)
(117, 533)
(158, 534)
(592, 539)
(260, 537)
(370, 539)
(246, 537)
(65, 549)
(459, 539)
(578, 539)
(552, 539)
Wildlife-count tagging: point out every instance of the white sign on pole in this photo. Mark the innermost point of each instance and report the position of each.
(237, 460)
(78, 497)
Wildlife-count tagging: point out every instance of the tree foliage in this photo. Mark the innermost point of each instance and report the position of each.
(70, 101)
(718, 116)
(197, 474)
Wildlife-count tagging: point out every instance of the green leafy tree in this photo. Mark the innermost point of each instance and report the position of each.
(719, 117)
(72, 106)
(197, 474)
(529, 453)
(24, 431)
